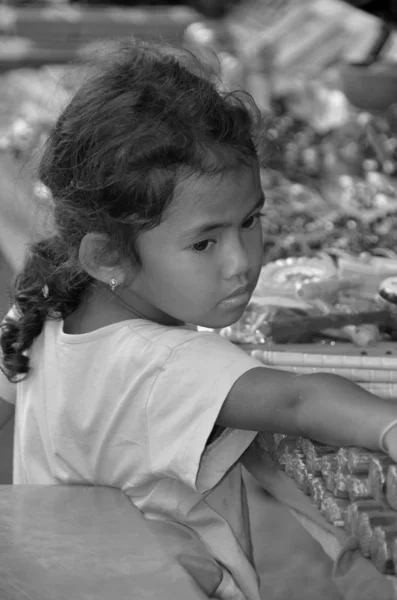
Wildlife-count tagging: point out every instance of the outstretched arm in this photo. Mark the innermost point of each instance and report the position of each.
(322, 407)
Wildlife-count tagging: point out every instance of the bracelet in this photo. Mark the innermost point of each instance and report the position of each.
(384, 432)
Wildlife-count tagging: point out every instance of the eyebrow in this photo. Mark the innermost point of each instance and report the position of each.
(206, 228)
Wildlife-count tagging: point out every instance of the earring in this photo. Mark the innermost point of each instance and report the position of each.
(113, 284)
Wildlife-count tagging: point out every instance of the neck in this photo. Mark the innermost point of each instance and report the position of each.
(117, 298)
(148, 313)
(100, 307)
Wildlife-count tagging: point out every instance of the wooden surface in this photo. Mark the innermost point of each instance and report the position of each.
(82, 543)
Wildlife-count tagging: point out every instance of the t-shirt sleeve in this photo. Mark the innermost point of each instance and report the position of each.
(184, 405)
(8, 390)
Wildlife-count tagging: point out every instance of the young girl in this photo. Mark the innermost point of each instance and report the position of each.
(157, 199)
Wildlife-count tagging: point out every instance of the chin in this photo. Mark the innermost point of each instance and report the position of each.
(221, 321)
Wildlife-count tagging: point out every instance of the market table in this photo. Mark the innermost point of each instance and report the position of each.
(328, 529)
(355, 576)
(63, 542)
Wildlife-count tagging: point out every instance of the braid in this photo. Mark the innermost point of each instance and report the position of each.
(41, 291)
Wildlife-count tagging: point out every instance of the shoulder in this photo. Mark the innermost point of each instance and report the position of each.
(178, 338)
(149, 343)
(205, 350)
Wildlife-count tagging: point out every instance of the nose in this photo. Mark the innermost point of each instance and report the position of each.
(236, 260)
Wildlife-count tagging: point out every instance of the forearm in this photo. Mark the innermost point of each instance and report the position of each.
(323, 407)
(336, 411)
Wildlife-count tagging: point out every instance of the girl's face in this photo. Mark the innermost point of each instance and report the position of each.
(202, 263)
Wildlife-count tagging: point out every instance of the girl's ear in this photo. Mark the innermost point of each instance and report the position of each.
(96, 260)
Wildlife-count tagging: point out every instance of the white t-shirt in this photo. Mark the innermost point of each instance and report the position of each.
(132, 406)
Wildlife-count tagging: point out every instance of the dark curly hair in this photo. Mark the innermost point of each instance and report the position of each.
(146, 116)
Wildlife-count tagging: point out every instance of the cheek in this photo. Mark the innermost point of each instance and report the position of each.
(176, 275)
(256, 248)
(193, 281)
(154, 273)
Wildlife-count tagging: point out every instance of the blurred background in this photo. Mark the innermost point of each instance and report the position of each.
(322, 71)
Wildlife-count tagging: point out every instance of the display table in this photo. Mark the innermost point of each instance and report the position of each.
(286, 486)
(331, 544)
(332, 539)
(63, 543)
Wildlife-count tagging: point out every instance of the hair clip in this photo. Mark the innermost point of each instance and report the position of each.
(45, 291)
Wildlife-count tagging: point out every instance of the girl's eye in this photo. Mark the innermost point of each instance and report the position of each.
(202, 246)
(252, 221)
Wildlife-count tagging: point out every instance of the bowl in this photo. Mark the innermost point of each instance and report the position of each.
(370, 87)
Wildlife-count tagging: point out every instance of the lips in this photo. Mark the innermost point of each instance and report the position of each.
(241, 291)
